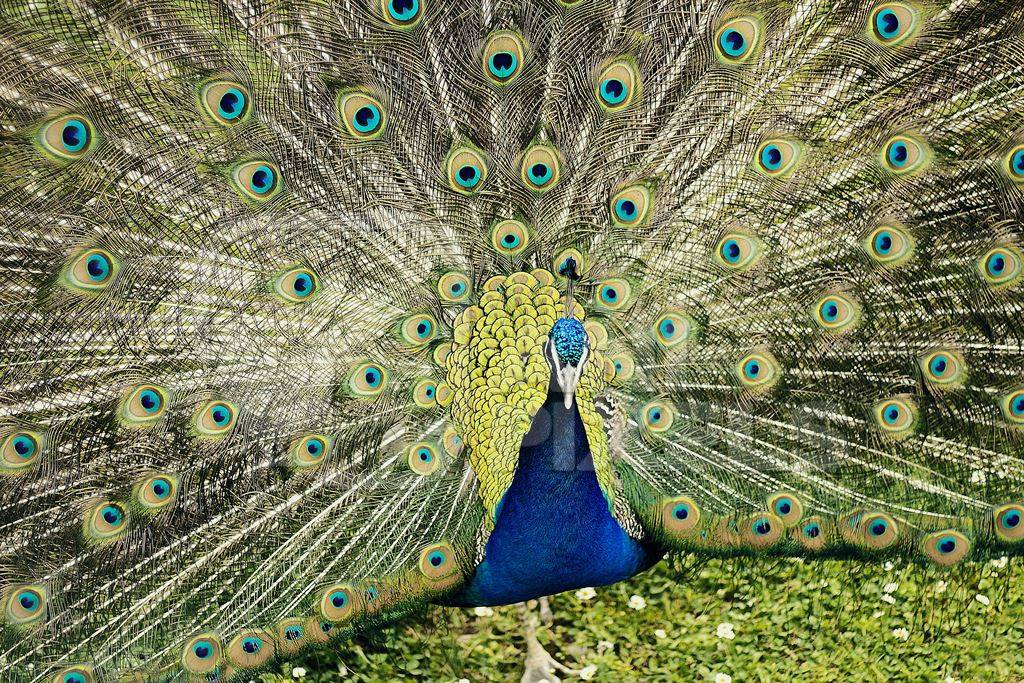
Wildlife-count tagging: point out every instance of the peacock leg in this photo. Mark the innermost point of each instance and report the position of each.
(539, 666)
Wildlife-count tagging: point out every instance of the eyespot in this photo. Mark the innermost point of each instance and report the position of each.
(679, 516)
(1012, 405)
(202, 654)
(226, 102)
(1009, 522)
(1001, 267)
(291, 635)
(79, 673)
(758, 371)
(618, 85)
(657, 417)
(250, 649)
(402, 13)
(836, 312)
(25, 605)
(510, 237)
(68, 137)
(368, 379)
(215, 418)
(893, 23)
(903, 154)
(258, 180)
(309, 450)
(361, 115)
(156, 492)
(1015, 164)
(424, 394)
(20, 451)
(503, 57)
(338, 602)
(438, 561)
(143, 405)
(613, 294)
(778, 157)
(811, 533)
(738, 252)
(944, 369)
(889, 245)
(91, 270)
(945, 548)
(295, 285)
(106, 521)
(896, 417)
(452, 442)
(419, 329)
(467, 170)
(878, 530)
(787, 507)
(597, 335)
(445, 395)
(624, 367)
(423, 459)
(540, 168)
(454, 288)
(761, 531)
(737, 40)
(672, 328)
(631, 206)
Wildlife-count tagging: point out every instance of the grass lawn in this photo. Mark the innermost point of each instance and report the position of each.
(790, 621)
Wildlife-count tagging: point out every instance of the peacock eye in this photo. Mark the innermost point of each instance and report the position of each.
(894, 22)
(657, 417)
(679, 515)
(624, 367)
(296, 285)
(309, 450)
(737, 39)
(1013, 407)
(738, 251)
(510, 237)
(454, 287)
(157, 492)
(467, 170)
(836, 312)
(257, 180)
(361, 115)
(250, 649)
(452, 442)
(25, 604)
(437, 561)
(503, 57)
(758, 371)
(903, 154)
(889, 245)
(787, 507)
(631, 206)
(75, 674)
(1015, 164)
(20, 451)
(215, 418)
(779, 157)
(143, 405)
(617, 85)
(402, 13)
(672, 328)
(202, 654)
(540, 168)
(419, 329)
(91, 271)
(67, 138)
(944, 369)
(1002, 267)
(896, 417)
(1009, 522)
(226, 102)
(107, 521)
(368, 379)
(336, 603)
(945, 548)
(424, 393)
(614, 294)
(878, 530)
(422, 459)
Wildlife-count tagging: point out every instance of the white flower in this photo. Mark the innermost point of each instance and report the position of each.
(950, 679)
(940, 586)
(587, 593)
(890, 587)
(604, 646)
(660, 633)
(462, 680)
(877, 614)
(978, 477)
(724, 630)
(886, 598)
(483, 611)
(298, 672)
(636, 602)
(888, 566)
(983, 599)
(723, 678)
(1001, 562)
(588, 672)
(901, 633)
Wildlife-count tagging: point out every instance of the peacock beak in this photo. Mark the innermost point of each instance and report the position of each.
(568, 376)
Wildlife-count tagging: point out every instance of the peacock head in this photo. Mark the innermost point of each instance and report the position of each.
(567, 350)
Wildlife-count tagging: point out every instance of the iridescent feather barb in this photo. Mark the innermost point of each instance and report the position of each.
(285, 327)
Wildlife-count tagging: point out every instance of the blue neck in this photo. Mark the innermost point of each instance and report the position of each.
(554, 531)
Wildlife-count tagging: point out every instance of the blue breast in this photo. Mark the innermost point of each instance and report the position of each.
(554, 531)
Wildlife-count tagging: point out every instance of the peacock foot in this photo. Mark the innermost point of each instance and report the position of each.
(540, 667)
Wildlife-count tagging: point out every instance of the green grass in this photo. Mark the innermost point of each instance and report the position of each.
(792, 620)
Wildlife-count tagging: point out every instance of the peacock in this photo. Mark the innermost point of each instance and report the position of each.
(316, 312)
